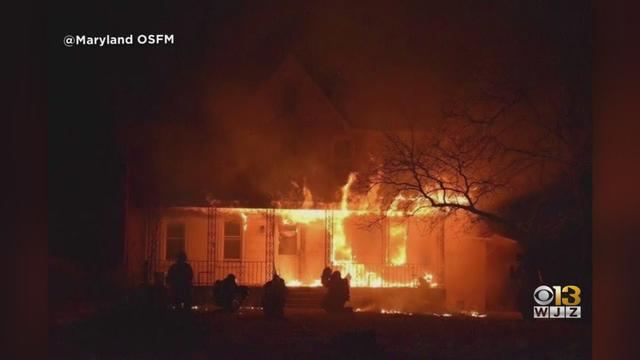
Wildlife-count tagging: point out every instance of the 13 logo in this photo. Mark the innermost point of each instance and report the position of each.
(557, 301)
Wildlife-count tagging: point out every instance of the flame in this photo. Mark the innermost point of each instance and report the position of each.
(298, 283)
(308, 198)
(394, 312)
(301, 216)
(244, 221)
(398, 244)
(385, 311)
(474, 314)
(341, 249)
(342, 257)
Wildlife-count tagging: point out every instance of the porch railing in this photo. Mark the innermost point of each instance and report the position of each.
(380, 275)
(253, 273)
(246, 272)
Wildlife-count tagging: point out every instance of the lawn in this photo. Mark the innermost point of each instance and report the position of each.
(125, 333)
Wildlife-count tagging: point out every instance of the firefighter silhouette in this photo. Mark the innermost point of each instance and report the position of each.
(228, 294)
(179, 278)
(337, 292)
(274, 297)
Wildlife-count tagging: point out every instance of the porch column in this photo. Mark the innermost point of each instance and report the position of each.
(212, 230)
(328, 236)
(152, 239)
(269, 235)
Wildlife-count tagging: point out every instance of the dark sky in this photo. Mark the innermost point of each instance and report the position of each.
(385, 64)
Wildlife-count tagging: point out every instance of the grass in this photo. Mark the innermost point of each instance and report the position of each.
(126, 333)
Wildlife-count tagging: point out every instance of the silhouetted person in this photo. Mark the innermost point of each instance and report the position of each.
(337, 294)
(326, 275)
(179, 278)
(274, 297)
(228, 295)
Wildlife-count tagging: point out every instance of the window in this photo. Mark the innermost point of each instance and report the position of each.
(288, 240)
(232, 240)
(175, 240)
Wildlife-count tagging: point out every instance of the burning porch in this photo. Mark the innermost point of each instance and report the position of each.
(252, 243)
(439, 260)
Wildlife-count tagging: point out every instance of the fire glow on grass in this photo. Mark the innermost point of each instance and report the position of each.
(474, 314)
(342, 255)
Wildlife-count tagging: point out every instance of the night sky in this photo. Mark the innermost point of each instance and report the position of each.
(374, 59)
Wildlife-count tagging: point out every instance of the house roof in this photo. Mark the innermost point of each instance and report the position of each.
(292, 95)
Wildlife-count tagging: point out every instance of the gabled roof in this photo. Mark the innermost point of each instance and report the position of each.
(312, 107)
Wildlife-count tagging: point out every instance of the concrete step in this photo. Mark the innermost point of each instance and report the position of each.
(301, 297)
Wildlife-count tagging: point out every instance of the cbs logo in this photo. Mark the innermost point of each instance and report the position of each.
(568, 295)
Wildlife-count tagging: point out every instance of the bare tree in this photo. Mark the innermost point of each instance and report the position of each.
(492, 142)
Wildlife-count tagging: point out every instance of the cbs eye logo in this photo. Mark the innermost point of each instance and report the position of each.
(557, 301)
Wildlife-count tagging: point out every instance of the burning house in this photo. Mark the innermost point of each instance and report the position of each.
(390, 254)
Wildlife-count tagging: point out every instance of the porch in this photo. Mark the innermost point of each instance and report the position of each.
(295, 243)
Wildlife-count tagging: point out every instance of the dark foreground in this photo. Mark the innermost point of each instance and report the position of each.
(311, 334)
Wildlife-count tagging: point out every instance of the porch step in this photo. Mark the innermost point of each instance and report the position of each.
(303, 297)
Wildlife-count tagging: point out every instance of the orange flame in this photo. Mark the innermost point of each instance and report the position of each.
(349, 205)
(341, 249)
(308, 198)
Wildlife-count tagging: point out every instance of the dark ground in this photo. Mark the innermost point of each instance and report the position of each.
(124, 333)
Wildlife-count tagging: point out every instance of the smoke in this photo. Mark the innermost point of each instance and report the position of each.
(234, 127)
